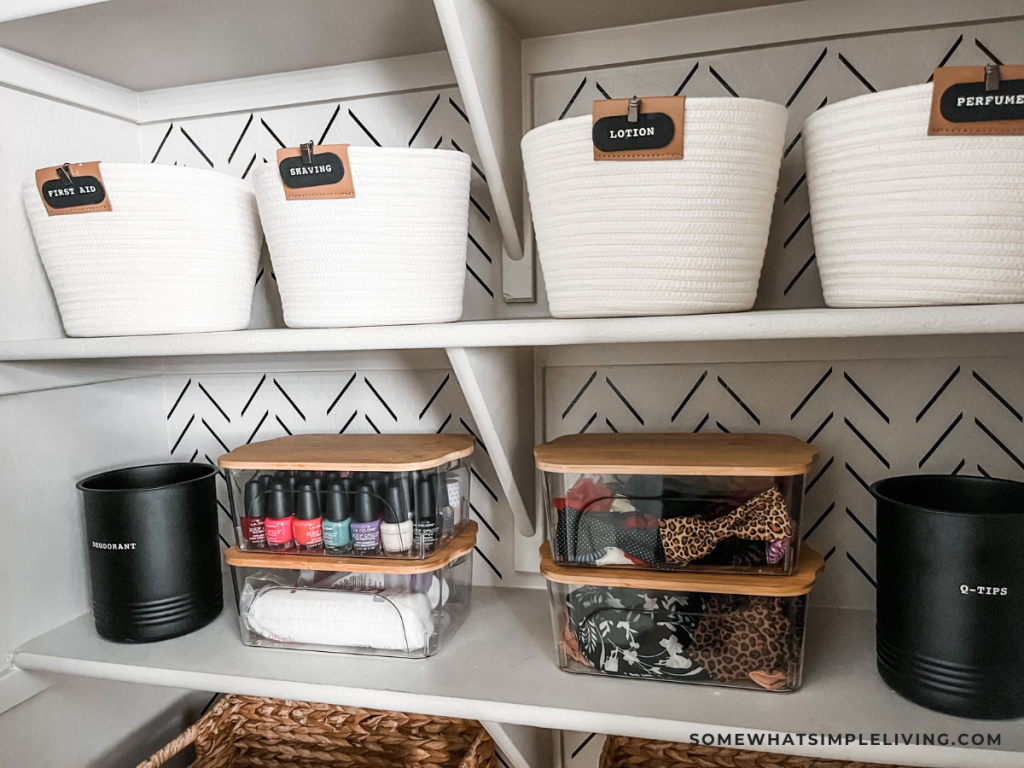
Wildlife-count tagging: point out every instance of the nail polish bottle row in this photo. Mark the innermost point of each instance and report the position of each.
(367, 513)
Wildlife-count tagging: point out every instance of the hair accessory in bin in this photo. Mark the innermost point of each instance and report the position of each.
(634, 633)
(743, 636)
(763, 518)
(588, 538)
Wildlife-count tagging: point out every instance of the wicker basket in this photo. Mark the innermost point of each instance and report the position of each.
(624, 752)
(250, 731)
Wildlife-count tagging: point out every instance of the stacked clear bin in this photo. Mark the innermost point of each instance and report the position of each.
(686, 502)
(698, 628)
(395, 496)
(359, 605)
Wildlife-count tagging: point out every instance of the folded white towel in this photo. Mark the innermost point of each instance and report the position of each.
(396, 622)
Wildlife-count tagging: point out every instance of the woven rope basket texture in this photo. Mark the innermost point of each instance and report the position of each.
(901, 218)
(624, 752)
(394, 254)
(177, 253)
(666, 237)
(256, 732)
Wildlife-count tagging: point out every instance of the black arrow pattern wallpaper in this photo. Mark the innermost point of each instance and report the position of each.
(235, 143)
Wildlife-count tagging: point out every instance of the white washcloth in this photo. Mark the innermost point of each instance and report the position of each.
(398, 622)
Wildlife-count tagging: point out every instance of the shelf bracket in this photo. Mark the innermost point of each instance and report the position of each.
(486, 55)
(497, 383)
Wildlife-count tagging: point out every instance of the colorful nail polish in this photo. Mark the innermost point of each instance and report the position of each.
(279, 520)
(308, 525)
(365, 523)
(338, 519)
(254, 515)
(396, 530)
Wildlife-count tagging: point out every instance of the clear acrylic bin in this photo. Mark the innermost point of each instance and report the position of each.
(367, 606)
(738, 631)
(395, 496)
(684, 502)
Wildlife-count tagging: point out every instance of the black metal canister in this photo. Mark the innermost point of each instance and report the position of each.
(950, 627)
(154, 556)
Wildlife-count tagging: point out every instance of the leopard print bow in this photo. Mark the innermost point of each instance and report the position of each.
(763, 518)
(736, 640)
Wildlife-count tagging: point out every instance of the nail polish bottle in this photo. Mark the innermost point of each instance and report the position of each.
(425, 528)
(365, 523)
(308, 524)
(279, 520)
(254, 515)
(396, 530)
(338, 520)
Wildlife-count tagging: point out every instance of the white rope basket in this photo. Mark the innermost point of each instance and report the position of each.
(905, 219)
(394, 254)
(667, 237)
(176, 254)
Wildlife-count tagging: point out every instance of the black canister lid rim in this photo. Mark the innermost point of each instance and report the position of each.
(203, 472)
(877, 490)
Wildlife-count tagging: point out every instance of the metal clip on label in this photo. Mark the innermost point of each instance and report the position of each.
(633, 115)
(64, 174)
(307, 152)
(991, 77)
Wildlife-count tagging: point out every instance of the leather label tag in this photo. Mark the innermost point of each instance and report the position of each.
(324, 175)
(657, 133)
(962, 106)
(72, 188)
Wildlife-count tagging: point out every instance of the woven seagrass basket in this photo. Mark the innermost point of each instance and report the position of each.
(250, 731)
(624, 752)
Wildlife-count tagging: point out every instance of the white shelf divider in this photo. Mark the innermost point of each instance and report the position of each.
(500, 667)
(486, 55)
(492, 381)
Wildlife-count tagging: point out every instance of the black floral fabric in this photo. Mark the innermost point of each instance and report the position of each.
(637, 633)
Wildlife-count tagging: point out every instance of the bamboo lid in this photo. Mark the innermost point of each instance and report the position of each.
(351, 453)
(460, 544)
(677, 454)
(808, 565)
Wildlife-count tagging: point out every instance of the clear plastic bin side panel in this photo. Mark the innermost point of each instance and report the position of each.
(408, 616)
(405, 515)
(737, 641)
(680, 522)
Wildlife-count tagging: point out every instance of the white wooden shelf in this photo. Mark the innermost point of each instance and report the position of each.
(757, 325)
(500, 666)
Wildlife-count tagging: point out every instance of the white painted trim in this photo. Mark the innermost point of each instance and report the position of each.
(17, 685)
(469, 58)
(522, 746)
(751, 28)
(38, 77)
(769, 324)
(20, 9)
(345, 81)
(488, 379)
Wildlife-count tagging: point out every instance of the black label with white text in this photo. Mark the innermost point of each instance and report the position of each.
(325, 169)
(652, 130)
(971, 103)
(85, 190)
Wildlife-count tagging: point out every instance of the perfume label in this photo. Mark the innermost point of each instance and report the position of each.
(279, 530)
(963, 104)
(324, 173)
(656, 133)
(72, 188)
